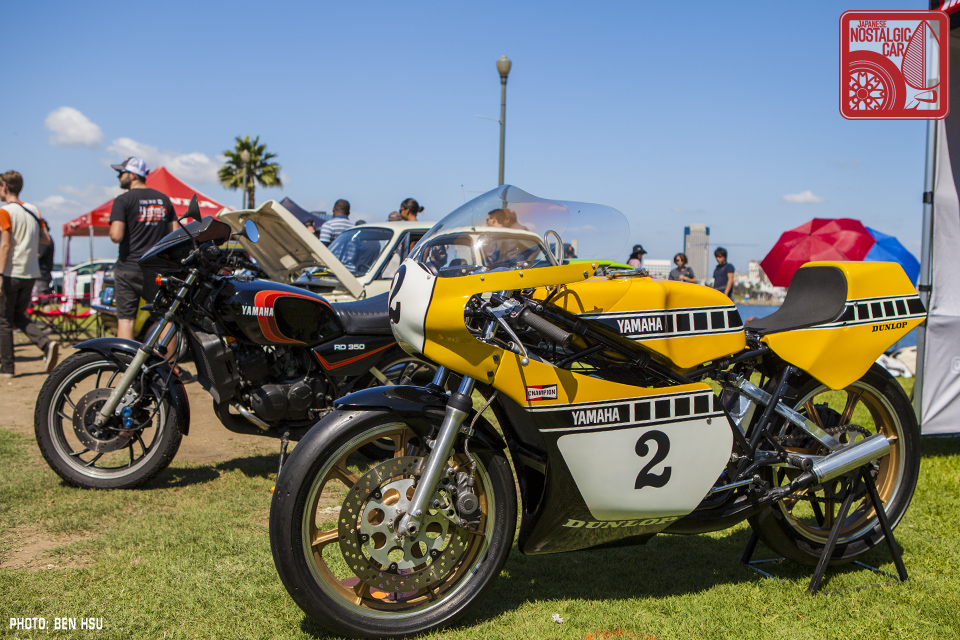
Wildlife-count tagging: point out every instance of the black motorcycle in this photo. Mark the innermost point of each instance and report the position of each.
(274, 357)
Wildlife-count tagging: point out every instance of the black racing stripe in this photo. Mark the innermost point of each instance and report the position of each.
(718, 320)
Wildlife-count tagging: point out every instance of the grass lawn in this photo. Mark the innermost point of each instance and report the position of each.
(188, 557)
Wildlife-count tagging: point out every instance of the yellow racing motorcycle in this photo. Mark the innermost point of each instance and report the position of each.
(628, 406)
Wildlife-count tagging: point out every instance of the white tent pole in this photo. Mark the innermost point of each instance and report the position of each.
(924, 286)
(91, 243)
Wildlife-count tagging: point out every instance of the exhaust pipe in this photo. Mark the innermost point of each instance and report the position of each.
(851, 457)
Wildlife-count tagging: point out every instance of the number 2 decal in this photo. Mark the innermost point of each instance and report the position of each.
(645, 478)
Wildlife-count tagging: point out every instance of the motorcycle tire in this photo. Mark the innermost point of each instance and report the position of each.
(797, 527)
(331, 532)
(102, 458)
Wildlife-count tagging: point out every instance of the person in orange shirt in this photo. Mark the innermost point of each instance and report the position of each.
(21, 234)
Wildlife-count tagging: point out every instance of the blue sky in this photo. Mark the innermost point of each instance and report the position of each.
(673, 113)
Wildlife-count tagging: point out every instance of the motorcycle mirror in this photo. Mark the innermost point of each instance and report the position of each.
(193, 211)
(251, 231)
(555, 248)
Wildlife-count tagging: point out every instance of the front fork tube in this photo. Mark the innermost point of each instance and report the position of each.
(144, 352)
(458, 408)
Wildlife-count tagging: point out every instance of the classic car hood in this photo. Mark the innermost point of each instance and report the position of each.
(286, 247)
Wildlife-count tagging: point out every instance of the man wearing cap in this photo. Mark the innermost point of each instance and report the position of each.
(636, 256)
(139, 219)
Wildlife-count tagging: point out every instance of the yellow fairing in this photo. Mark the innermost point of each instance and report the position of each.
(882, 307)
(687, 323)
(513, 380)
(448, 342)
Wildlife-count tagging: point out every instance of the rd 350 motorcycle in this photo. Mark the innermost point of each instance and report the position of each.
(630, 407)
(273, 357)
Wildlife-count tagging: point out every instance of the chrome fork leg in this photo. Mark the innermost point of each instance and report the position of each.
(458, 408)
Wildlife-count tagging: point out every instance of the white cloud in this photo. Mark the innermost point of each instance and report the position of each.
(191, 167)
(804, 197)
(75, 201)
(71, 128)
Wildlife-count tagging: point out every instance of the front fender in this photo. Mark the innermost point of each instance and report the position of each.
(422, 407)
(119, 351)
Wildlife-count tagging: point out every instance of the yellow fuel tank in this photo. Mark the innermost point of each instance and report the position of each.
(686, 323)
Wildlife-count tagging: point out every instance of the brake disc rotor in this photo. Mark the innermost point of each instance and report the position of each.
(100, 439)
(368, 539)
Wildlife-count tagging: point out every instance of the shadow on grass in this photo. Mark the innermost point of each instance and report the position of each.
(940, 446)
(260, 466)
(666, 566)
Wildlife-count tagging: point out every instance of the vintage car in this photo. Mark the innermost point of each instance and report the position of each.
(359, 263)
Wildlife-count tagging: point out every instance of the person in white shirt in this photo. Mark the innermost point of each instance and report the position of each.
(21, 234)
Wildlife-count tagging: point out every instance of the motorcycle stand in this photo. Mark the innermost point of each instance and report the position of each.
(863, 478)
(284, 441)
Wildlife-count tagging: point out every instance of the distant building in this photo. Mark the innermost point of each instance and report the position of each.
(696, 244)
(659, 269)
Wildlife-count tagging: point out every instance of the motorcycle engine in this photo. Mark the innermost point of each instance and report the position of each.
(277, 383)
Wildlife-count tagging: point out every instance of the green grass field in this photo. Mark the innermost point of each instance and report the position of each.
(189, 557)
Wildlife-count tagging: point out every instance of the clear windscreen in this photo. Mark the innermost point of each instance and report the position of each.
(508, 228)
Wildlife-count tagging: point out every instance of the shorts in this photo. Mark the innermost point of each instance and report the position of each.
(127, 290)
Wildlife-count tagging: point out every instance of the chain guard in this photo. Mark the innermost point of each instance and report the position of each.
(360, 531)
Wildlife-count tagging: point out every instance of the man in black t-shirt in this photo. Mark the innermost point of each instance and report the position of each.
(139, 219)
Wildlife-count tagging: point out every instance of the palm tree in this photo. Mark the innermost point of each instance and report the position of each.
(257, 168)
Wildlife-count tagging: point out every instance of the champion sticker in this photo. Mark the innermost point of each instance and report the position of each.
(542, 392)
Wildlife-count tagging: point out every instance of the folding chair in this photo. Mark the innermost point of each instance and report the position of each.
(66, 321)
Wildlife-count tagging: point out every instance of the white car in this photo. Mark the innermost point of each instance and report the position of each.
(86, 271)
(360, 263)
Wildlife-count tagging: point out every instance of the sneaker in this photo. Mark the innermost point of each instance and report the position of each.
(5, 374)
(52, 355)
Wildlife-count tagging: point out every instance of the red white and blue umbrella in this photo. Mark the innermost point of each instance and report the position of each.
(833, 239)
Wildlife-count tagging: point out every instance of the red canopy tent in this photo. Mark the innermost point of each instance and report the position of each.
(160, 179)
(97, 222)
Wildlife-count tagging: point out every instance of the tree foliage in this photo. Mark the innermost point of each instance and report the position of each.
(260, 170)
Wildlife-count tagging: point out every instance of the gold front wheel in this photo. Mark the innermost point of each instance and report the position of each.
(334, 519)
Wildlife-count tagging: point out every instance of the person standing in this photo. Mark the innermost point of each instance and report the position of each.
(21, 234)
(636, 256)
(723, 274)
(44, 286)
(682, 272)
(338, 224)
(139, 219)
(409, 209)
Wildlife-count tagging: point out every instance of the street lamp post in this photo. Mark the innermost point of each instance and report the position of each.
(503, 66)
(245, 157)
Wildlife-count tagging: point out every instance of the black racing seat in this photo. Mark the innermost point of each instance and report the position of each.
(369, 316)
(816, 295)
